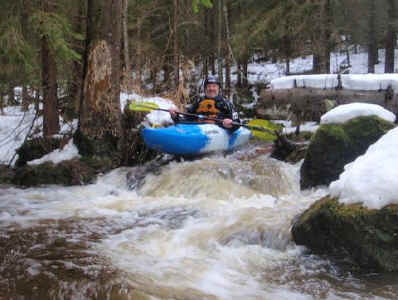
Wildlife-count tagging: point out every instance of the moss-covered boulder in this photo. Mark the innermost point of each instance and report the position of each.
(368, 237)
(36, 148)
(335, 145)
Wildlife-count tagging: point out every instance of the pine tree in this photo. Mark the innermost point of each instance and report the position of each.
(391, 35)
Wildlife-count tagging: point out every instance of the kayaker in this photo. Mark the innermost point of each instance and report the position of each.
(212, 105)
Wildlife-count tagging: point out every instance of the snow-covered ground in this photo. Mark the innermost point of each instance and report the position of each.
(15, 124)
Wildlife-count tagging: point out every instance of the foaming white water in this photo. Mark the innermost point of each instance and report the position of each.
(216, 225)
(214, 228)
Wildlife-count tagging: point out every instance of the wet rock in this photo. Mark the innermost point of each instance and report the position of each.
(368, 237)
(136, 176)
(335, 145)
(6, 174)
(288, 150)
(69, 172)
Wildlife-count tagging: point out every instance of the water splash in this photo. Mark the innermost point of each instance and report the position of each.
(215, 228)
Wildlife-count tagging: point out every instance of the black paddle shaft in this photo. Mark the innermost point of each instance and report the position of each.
(202, 117)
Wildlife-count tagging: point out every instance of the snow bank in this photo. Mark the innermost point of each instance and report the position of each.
(345, 112)
(68, 152)
(373, 177)
(365, 82)
(370, 82)
(323, 81)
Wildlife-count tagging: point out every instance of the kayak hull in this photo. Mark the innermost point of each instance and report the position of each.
(194, 139)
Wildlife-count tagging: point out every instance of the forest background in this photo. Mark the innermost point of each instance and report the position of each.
(153, 46)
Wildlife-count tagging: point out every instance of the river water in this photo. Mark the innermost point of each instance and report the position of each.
(214, 228)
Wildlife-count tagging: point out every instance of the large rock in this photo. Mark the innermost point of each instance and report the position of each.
(369, 237)
(335, 145)
(68, 172)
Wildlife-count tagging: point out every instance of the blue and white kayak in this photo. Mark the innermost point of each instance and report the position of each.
(194, 139)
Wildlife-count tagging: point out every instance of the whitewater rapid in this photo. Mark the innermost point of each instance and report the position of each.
(214, 228)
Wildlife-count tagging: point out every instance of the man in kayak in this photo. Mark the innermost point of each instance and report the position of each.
(212, 105)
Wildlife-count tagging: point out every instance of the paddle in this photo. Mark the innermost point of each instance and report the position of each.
(262, 129)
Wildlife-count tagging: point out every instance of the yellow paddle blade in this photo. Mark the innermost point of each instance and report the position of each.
(268, 126)
(143, 106)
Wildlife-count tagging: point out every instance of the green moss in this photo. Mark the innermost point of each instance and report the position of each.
(335, 145)
(368, 236)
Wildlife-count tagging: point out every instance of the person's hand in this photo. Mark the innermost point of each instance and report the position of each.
(173, 113)
(227, 123)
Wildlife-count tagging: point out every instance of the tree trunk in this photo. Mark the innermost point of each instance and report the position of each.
(176, 51)
(391, 38)
(316, 64)
(25, 98)
(115, 38)
(125, 38)
(49, 84)
(154, 76)
(245, 74)
(239, 75)
(138, 62)
(1, 102)
(219, 42)
(212, 64)
(206, 66)
(287, 66)
(24, 28)
(37, 99)
(100, 130)
(229, 56)
(75, 84)
(372, 43)
(50, 87)
(327, 44)
(11, 95)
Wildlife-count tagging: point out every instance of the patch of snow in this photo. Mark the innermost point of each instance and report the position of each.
(322, 81)
(345, 112)
(372, 178)
(370, 82)
(68, 152)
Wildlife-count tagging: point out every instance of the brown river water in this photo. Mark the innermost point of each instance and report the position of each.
(214, 228)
